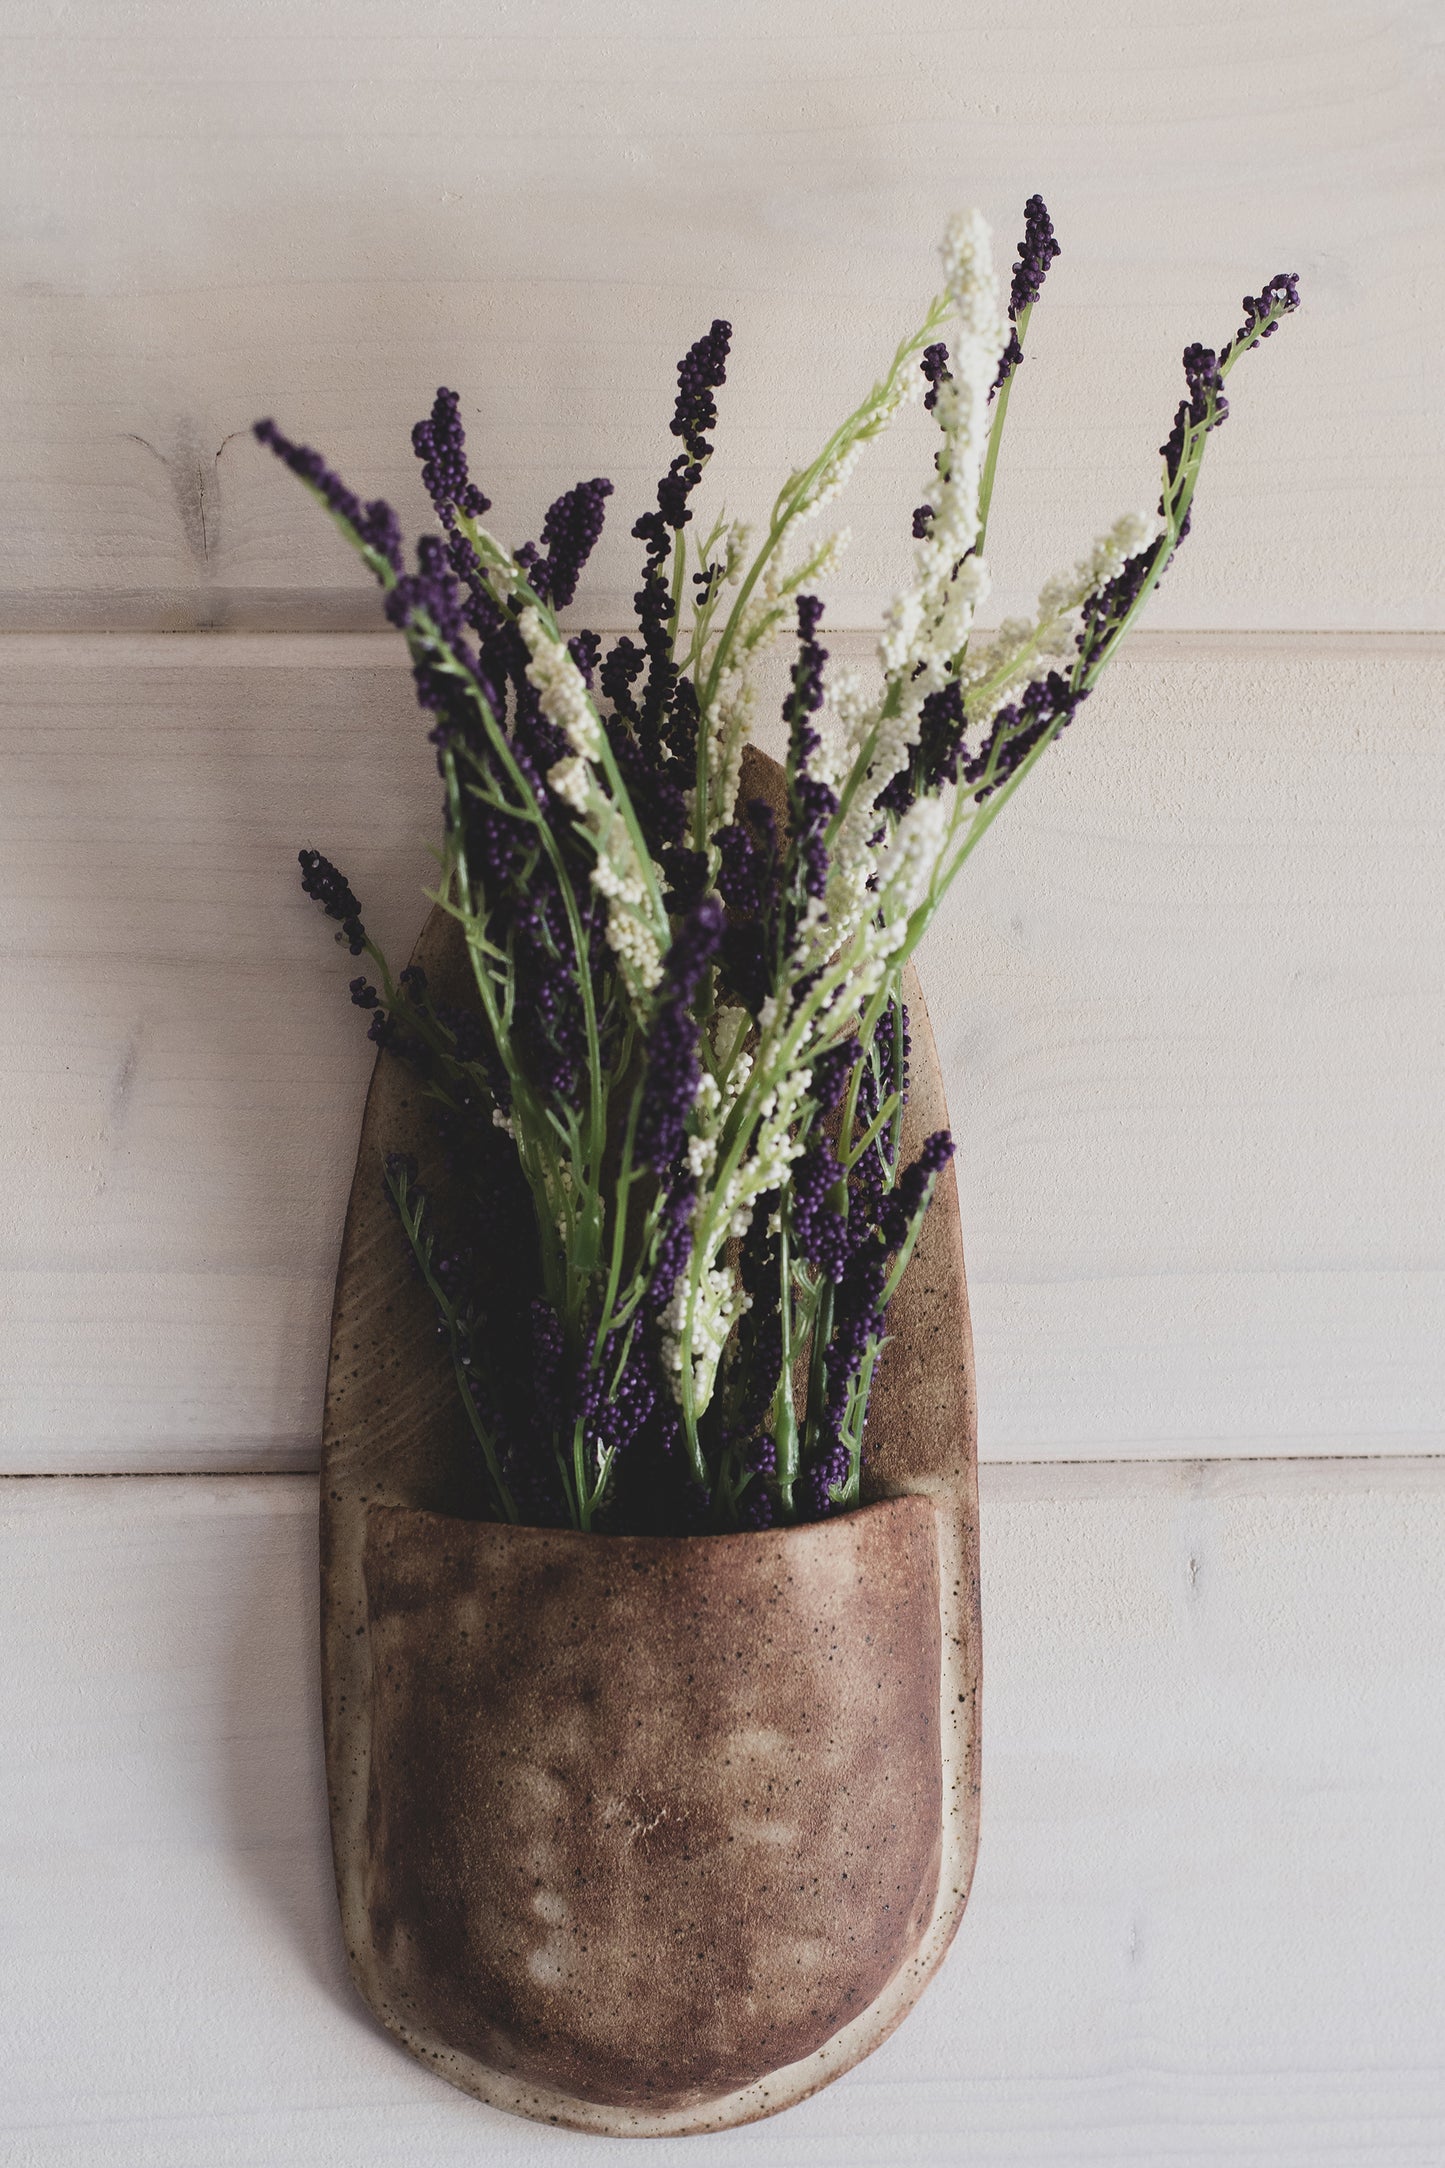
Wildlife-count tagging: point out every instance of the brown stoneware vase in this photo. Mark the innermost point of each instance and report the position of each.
(642, 1835)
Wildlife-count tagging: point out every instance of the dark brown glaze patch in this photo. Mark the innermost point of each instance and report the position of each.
(648, 1820)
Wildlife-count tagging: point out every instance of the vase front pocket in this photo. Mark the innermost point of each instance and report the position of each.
(649, 1820)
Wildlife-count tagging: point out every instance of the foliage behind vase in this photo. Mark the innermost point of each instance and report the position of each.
(673, 1207)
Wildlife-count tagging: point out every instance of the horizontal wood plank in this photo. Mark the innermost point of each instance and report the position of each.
(1190, 998)
(1207, 1927)
(211, 218)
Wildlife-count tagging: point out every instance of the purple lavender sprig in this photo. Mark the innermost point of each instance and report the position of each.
(375, 525)
(674, 1070)
(812, 803)
(1037, 251)
(701, 372)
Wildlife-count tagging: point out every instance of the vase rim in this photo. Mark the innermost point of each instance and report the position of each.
(902, 1505)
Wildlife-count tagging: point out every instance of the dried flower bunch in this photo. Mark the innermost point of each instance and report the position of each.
(674, 1206)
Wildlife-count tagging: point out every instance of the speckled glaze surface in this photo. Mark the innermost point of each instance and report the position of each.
(650, 1820)
(643, 1836)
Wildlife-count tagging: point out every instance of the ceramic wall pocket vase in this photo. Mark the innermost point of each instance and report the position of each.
(637, 1835)
(660, 1835)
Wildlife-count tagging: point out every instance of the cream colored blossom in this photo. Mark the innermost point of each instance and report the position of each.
(560, 687)
(571, 780)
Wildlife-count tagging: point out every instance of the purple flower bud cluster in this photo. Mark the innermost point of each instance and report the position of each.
(424, 604)
(807, 693)
(748, 882)
(674, 1070)
(819, 1229)
(935, 369)
(625, 1409)
(375, 523)
(826, 1472)
(813, 803)
(569, 534)
(449, 591)
(1264, 312)
(466, 645)
(550, 1028)
(616, 677)
(663, 713)
(701, 372)
(1037, 251)
(1203, 404)
(894, 1053)
(934, 366)
(1047, 705)
(762, 1454)
(744, 870)
(756, 1511)
(432, 589)
(585, 648)
(440, 444)
(755, 1361)
(831, 1072)
(616, 1408)
(1008, 361)
(908, 1199)
(934, 760)
(329, 887)
(673, 1245)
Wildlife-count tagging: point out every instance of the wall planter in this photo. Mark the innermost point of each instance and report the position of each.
(643, 1835)
(659, 1833)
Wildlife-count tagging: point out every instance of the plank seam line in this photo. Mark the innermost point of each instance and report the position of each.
(1325, 636)
(1194, 1463)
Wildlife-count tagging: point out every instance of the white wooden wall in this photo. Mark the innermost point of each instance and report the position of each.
(1191, 997)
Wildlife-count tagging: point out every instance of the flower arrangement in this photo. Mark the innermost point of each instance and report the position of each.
(673, 1205)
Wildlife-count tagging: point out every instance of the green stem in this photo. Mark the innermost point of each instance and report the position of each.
(796, 491)
(413, 1220)
(785, 1419)
(818, 1364)
(995, 436)
(887, 1115)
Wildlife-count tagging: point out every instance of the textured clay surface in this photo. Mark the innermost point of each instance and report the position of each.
(638, 1836)
(650, 1819)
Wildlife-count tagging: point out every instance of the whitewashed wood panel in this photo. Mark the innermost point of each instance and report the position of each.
(1190, 997)
(1191, 1003)
(1208, 1924)
(217, 213)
